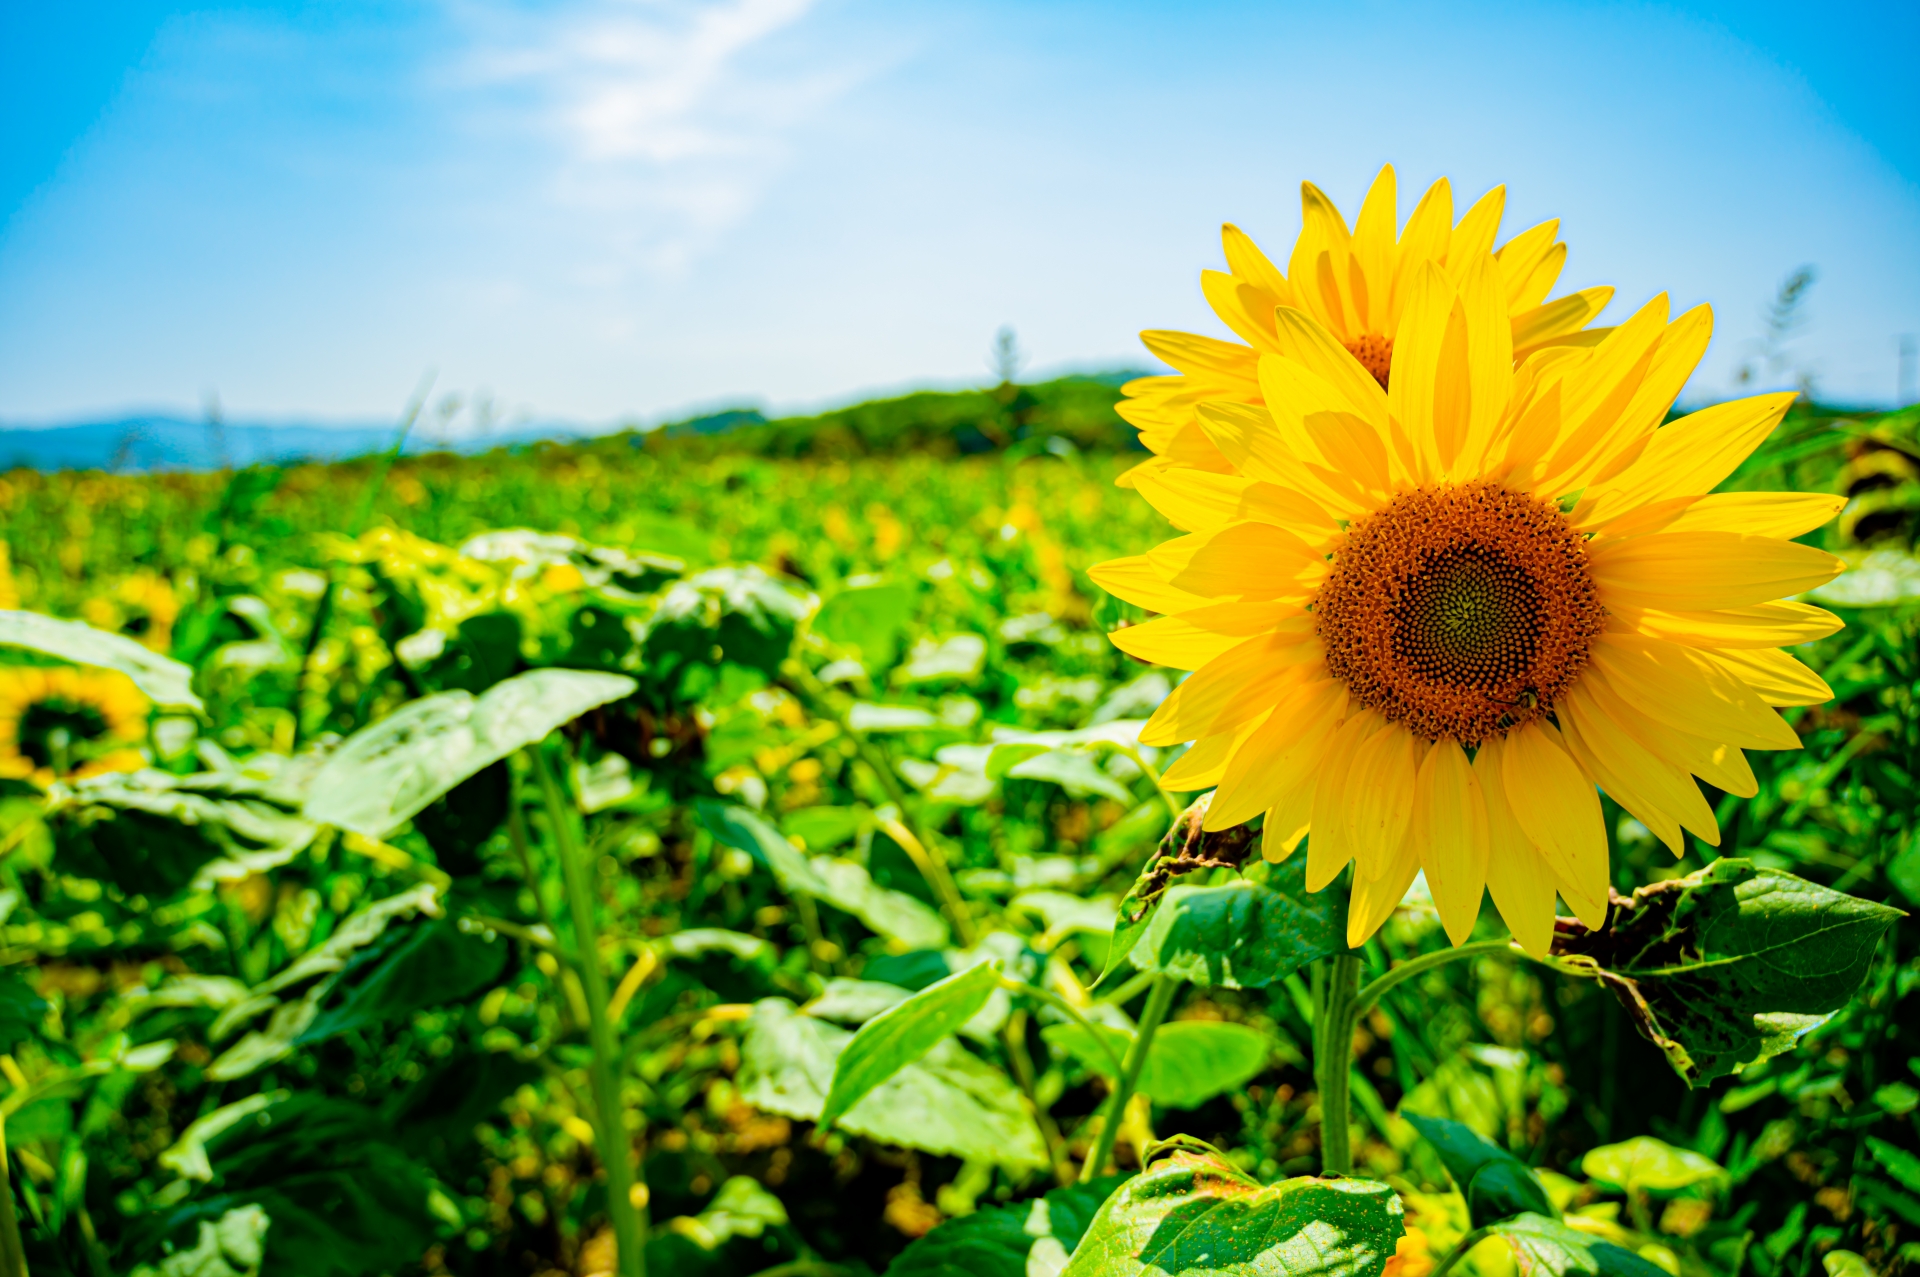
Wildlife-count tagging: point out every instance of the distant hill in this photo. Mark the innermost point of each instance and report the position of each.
(1076, 410)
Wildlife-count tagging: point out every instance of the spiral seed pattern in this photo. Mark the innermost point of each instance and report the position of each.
(1461, 611)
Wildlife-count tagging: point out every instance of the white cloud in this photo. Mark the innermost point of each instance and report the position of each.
(655, 124)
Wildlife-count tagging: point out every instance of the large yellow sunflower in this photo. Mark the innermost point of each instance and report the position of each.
(62, 722)
(1427, 620)
(1356, 285)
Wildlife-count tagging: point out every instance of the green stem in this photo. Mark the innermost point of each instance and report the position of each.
(1072, 1012)
(1333, 1062)
(1159, 1000)
(616, 1150)
(13, 1255)
(1370, 992)
(1460, 1249)
(1338, 1006)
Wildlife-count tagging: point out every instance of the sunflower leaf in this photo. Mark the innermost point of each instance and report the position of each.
(1733, 964)
(1196, 1214)
(164, 681)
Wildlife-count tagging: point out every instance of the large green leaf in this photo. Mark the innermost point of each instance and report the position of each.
(1496, 1184)
(1026, 1239)
(164, 681)
(1242, 935)
(1189, 1063)
(387, 772)
(869, 617)
(1730, 965)
(1185, 848)
(904, 1033)
(1194, 1213)
(948, 1102)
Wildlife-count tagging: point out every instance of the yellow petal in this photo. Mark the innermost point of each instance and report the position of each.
(1776, 676)
(1517, 874)
(1452, 840)
(1241, 682)
(1374, 232)
(1417, 348)
(1597, 392)
(1473, 237)
(1690, 457)
(1380, 797)
(1205, 761)
(1191, 500)
(1137, 581)
(1191, 639)
(1556, 804)
(1205, 357)
(1533, 288)
(1763, 514)
(1781, 624)
(1281, 758)
(1425, 241)
(1703, 571)
(1318, 268)
(1242, 560)
(1309, 344)
(1374, 899)
(1716, 763)
(1569, 314)
(1330, 847)
(1245, 259)
(1662, 796)
(1685, 689)
(1489, 362)
(1522, 258)
(1245, 309)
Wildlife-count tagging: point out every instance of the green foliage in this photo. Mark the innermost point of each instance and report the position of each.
(904, 1033)
(1008, 1241)
(1194, 1212)
(165, 682)
(1496, 1184)
(305, 994)
(1731, 965)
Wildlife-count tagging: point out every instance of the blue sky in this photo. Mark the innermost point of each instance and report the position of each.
(606, 210)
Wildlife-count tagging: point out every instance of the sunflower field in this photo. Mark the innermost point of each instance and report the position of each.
(756, 854)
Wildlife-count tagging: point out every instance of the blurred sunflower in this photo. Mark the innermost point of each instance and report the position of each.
(1355, 284)
(61, 723)
(1427, 620)
(142, 606)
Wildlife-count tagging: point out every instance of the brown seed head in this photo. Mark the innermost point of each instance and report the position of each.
(1459, 610)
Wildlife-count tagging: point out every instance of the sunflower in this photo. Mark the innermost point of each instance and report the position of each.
(1427, 620)
(1355, 285)
(63, 722)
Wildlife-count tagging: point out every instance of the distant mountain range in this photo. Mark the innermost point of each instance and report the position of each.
(1078, 405)
(173, 443)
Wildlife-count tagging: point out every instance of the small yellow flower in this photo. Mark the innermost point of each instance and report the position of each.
(1355, 285)
(1428, 618)
(64, 723)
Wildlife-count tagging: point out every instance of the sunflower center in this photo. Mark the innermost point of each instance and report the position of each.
(1459, 611)
(50, 730)
(1375, 355)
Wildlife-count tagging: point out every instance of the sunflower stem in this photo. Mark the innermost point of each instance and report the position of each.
(1333, 1061)
(1159, 1000)
(1339, 1002)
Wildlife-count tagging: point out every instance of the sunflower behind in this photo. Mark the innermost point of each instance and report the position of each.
(63, 723)
(1355, 284)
